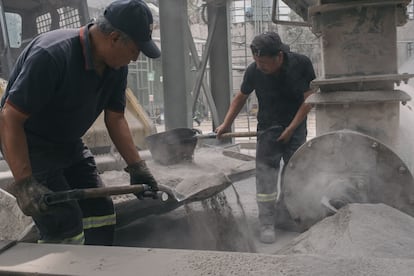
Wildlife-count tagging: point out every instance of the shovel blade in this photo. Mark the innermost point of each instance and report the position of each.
(198, 187)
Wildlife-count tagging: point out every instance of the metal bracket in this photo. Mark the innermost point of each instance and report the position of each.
(352, 4)
(349, 97)
(397, 78)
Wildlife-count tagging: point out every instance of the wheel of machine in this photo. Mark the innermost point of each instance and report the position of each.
(343, 167)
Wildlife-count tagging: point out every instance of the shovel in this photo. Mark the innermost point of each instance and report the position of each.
(178, 144)
(201, 187)
(188, 189)
(15, 225)
(78, 194)
(198, 187)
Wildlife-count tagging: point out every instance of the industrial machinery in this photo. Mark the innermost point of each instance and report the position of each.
(356, 154)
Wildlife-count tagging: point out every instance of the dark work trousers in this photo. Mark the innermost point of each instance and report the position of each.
(268, 156)
(89, 221)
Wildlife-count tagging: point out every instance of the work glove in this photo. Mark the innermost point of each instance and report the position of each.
(140, 174)
(29, 195)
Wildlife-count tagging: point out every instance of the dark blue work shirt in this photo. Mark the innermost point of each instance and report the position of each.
(55, 83)
(279, 96)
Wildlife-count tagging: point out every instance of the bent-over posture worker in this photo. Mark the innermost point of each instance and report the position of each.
(60, 84)
(281, 80)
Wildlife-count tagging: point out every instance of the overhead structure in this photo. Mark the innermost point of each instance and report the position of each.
(180, 94)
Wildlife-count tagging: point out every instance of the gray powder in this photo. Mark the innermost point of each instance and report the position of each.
(13, 222)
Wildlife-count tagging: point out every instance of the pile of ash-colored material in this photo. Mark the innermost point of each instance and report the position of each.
(13, 223)
(364, 230)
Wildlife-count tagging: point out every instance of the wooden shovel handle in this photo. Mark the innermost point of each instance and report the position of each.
(239, 134)
(77, 194)
(227, 135)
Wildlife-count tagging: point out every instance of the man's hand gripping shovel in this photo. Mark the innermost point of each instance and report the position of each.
(187, 190)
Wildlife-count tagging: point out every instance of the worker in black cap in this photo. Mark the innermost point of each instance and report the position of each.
(281, 80)
(60, 84)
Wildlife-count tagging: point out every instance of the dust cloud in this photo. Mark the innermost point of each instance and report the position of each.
(204, 225)
(216, 227)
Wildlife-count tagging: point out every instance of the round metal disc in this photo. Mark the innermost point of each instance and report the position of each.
(343, 167)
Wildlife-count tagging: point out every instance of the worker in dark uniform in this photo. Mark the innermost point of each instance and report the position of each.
(60, 84)
(281, 80)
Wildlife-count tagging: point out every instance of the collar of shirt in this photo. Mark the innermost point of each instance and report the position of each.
(285, 64)
(86, 46)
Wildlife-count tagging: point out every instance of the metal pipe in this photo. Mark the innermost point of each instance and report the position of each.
(175, 63)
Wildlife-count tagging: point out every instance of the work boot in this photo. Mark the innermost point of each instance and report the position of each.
(267, 234)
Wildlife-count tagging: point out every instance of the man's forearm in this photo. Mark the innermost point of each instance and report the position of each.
(301, 113)
(234, 109)
(15, 152)
(300, 116)
(13, 142)
(122, 138)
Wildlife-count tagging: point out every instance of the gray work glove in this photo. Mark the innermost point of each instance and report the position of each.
(140, 174)
(29, 195)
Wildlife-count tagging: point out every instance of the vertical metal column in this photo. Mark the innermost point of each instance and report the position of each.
(220, 58)
(360, 67)
(175, 63)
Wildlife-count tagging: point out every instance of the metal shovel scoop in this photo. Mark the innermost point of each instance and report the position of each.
(177, 145)
(198, 187)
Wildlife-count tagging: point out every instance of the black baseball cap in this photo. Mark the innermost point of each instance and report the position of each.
(268, 44)
(134, 18)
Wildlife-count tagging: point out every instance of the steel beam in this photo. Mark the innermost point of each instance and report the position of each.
(220, 58)
(175, 63)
